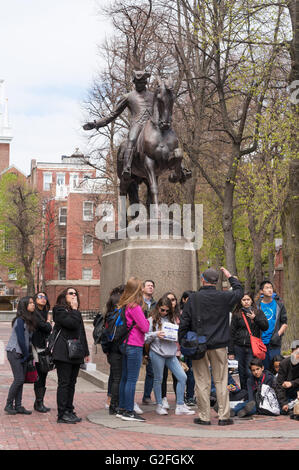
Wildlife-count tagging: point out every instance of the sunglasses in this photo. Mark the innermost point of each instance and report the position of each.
(172, 300)
(72, 293)
(164, 309)
(41, 296)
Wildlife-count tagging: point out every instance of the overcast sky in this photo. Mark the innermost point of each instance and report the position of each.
(48, 58)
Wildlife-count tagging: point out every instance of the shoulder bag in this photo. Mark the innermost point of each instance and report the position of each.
(258, 348)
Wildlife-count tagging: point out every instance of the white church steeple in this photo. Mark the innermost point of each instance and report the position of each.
(5, 129)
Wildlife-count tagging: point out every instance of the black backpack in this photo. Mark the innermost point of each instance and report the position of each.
(98, 324)
(115, 330)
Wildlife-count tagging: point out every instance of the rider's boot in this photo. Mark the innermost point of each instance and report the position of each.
(128, 156)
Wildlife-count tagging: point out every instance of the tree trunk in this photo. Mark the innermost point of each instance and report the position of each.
(290, 232)
(227, 224)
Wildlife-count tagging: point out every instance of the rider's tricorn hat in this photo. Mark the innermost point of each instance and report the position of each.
(140, 75)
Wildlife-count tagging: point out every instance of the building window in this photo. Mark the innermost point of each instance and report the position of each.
(60, 179)
(74, 181)
(62, 215)
(47, 181)
(8, 245)
(12, 274)
(87, 244)
(62, 274)
(63, 243)
(86, 274)
(87, 210)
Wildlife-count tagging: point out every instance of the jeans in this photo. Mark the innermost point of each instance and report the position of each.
(115, 361)
(149, 380)
(131, 363)
(42, 377)
(271, 352)
(190, 385)
(173, 364)
(67, 374)
(243, 356)
(19, 370)
(240, 407)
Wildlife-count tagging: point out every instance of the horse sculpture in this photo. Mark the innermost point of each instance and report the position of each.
(156, 150)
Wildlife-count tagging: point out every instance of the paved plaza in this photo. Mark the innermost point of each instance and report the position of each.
(99, 431)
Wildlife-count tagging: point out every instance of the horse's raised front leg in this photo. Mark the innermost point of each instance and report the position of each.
(180, 173)
(149, 166)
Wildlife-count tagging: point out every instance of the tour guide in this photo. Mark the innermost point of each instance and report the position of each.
(213, 307)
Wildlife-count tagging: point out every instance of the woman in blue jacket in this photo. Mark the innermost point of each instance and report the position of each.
(19, 353)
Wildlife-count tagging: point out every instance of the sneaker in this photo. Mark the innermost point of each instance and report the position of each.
(132, 416)
(160, 410)
(183, 410)
(190, 401)
(137, 409)
(165, 403)
(120, 412)
(147, 401)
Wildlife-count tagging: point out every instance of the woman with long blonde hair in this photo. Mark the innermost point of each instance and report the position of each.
(132, 348)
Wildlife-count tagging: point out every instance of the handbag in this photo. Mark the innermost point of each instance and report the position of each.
(31, 375)
(258, 348)
(75, 349)
(45, 360)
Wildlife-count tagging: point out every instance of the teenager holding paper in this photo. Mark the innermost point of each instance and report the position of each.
(163, 353)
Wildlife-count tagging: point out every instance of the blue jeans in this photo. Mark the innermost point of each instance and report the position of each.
(158, 363)
(149, 380)
(243, 356)
(132, 360)
(190, 380)
(240, 407)
(271, 352)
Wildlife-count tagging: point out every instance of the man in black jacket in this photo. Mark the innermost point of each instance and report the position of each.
(287, 384)
(213, 308)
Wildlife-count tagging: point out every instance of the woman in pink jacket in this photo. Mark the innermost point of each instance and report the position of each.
(132, 348)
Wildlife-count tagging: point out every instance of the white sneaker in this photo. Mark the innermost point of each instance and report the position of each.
(183, 410)
(160, 410)
(165, 403)
(137, 409)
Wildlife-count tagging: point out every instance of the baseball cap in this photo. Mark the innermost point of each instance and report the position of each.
(295, 344)
(211, 275)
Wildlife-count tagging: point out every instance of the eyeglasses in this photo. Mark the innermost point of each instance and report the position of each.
(164, 309)
(40, 296)
(72, 293)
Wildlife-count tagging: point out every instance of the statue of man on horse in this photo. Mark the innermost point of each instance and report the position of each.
(151, 146)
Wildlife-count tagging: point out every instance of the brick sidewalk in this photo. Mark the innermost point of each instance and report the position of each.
(41, 432)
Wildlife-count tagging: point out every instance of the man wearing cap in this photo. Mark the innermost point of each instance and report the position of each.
(213, 307)
(287, 384)
(140, 104)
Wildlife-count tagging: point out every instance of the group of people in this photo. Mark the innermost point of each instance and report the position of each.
(223, 317)
(31, 329)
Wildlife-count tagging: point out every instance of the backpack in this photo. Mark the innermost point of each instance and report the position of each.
(266, 400)
(115, 330)
(98, 328)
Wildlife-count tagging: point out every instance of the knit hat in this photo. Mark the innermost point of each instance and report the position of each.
(211, 276)
(295, 344)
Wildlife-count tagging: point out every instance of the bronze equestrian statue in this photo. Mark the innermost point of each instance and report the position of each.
(151, 146)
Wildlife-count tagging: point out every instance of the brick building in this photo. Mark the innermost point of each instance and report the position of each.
(70, 195)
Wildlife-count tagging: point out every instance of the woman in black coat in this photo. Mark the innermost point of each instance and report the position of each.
(39, 338)
(240, 346)
(68, 325)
